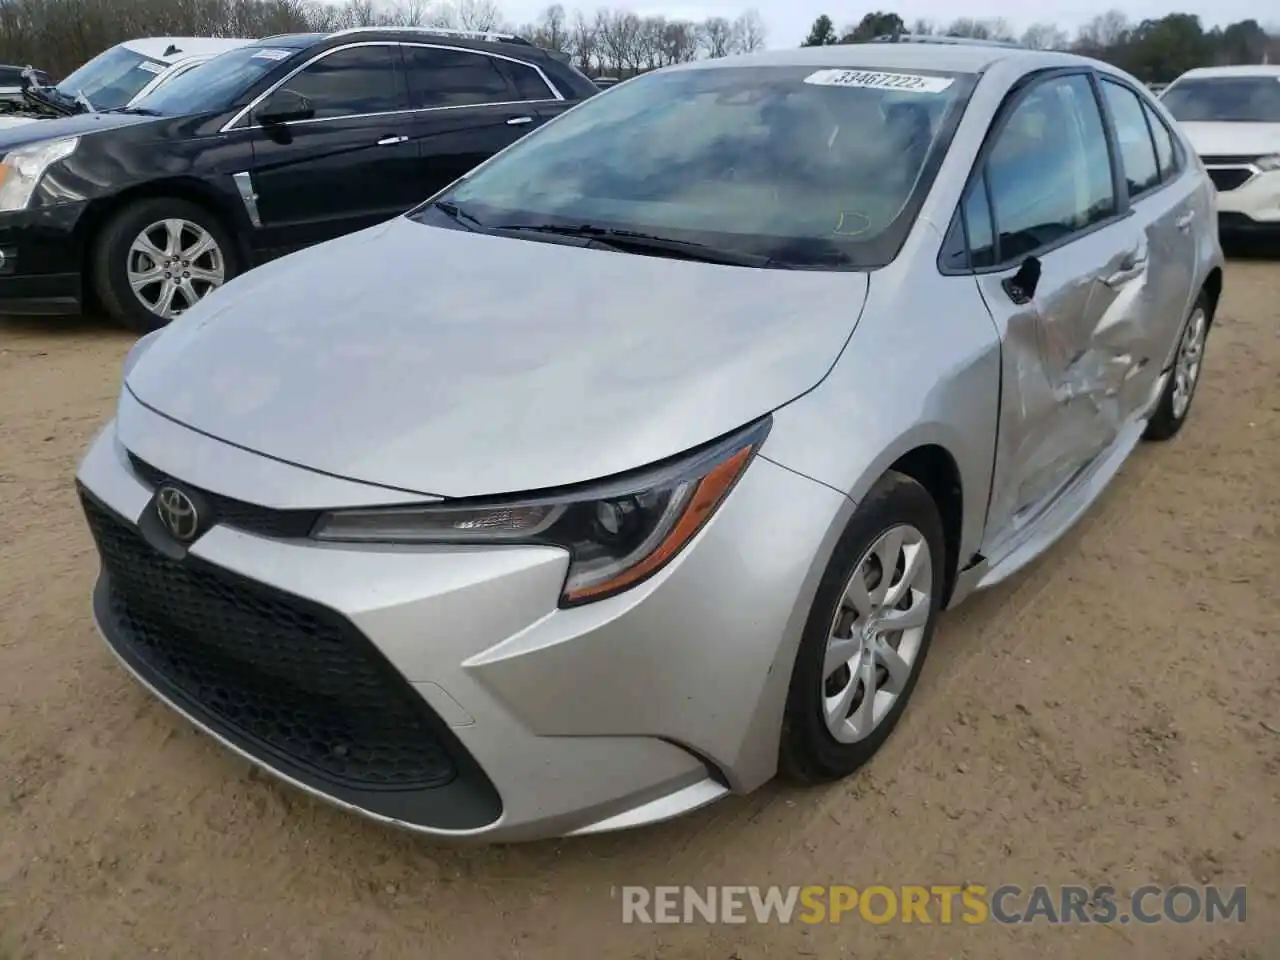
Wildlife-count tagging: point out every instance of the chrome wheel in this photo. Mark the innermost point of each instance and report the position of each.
(172, 265)
(1186, 367)
(876, 636)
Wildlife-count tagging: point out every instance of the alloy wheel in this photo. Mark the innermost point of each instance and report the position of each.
(1186, 368)
(876, 635)
(172, 265)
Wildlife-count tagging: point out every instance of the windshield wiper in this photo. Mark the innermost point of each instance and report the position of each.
(646, 243)
(137, 111)
(455, 212)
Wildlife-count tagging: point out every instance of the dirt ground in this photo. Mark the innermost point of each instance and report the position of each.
(1112, 716)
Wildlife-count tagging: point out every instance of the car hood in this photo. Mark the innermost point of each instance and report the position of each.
(460, 364)
(35, 130)
(7, 122)
(1233, 139)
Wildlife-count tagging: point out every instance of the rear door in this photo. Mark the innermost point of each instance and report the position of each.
(1064, 289)
(1165, 206)
(351, 165)
(467, 106)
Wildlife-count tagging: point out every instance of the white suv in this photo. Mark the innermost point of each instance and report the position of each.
(120, 76)
(1231, 115)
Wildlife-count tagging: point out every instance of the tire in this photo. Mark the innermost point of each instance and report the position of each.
(810, 751)
(113, 255)
(1175, 402)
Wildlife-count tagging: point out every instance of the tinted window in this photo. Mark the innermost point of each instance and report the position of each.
(1049, 171)
(1137, 152)
(353, 81)
(1166, 152)
(215, 84)
(805, 165)
(529, 86)
(1224, 100)
(11, 76)
(977, 221)
(448, 78)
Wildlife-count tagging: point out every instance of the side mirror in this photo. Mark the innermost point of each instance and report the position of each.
(284, 106)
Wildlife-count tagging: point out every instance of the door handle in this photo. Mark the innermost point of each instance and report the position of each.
(1134, 266)
(388, 141)
(1184, 222)
(519, 121)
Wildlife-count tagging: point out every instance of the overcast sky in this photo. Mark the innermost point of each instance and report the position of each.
(788, 20)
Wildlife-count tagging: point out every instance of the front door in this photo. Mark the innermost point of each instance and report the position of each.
(1066, 292)
(467, 107)
(350, 166)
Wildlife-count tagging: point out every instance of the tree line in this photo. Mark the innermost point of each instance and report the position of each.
(1153, 50)
(59, 35)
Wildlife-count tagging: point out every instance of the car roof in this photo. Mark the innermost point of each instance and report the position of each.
(154, 47)
(1245, 70)
(298, 41)
(951, 57)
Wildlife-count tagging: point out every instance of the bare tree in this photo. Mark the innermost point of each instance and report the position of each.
(717, 37)
(552, 29)
(748, 32)
(478, 15)
(584, 42)
(1045, 36)
(1103, 32)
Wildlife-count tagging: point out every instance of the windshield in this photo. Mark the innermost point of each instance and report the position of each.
(111, 79)
(1225, 100)
(801, 165)
(215, 84)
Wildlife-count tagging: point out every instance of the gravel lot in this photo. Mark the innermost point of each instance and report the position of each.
(1111, 716)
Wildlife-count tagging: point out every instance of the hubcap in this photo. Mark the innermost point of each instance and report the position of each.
(876, 635)
(173, 264)
(1186, 368)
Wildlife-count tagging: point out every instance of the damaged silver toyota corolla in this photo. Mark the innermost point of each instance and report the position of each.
(638, 465)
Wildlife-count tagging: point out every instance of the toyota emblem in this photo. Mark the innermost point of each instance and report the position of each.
(178, 513)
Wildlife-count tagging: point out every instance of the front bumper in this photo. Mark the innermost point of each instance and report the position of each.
(41, 261)
(468, 704)
(1251, 207)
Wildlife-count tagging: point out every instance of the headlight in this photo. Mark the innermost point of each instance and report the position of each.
(22, 169)
(1268, 164)
(618, 532)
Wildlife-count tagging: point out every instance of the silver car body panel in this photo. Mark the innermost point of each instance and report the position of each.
(585, 383)
(332, 379)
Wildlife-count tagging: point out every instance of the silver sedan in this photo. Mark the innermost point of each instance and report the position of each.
(637, 465)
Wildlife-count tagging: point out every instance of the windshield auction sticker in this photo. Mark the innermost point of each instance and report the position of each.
(272, 53)
(150, 67)
(873, 80)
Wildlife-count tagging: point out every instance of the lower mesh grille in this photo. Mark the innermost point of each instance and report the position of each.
(292, 676)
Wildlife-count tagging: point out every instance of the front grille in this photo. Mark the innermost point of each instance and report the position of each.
(249, 517)
(1228, 178)
(289, 675)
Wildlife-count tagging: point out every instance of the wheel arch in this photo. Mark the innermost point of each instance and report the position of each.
(1212, 289)
(190, 189)
(933, 467)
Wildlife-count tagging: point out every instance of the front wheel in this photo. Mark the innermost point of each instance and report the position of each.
(158, 258)
(867, 634)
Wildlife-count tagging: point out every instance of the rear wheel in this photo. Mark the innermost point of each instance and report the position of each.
(1175, 402)
(867, 635)
(158, 258)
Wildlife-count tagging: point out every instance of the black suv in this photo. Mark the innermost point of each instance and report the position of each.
(261, 151)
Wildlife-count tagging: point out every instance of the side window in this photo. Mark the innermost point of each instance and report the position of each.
(451, 78)
(1049, 171)
(977, 221)
(1133, 137)
(529, 85)
(352, 81)
(1166, 152)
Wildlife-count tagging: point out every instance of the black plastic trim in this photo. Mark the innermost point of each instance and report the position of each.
(467, 802)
